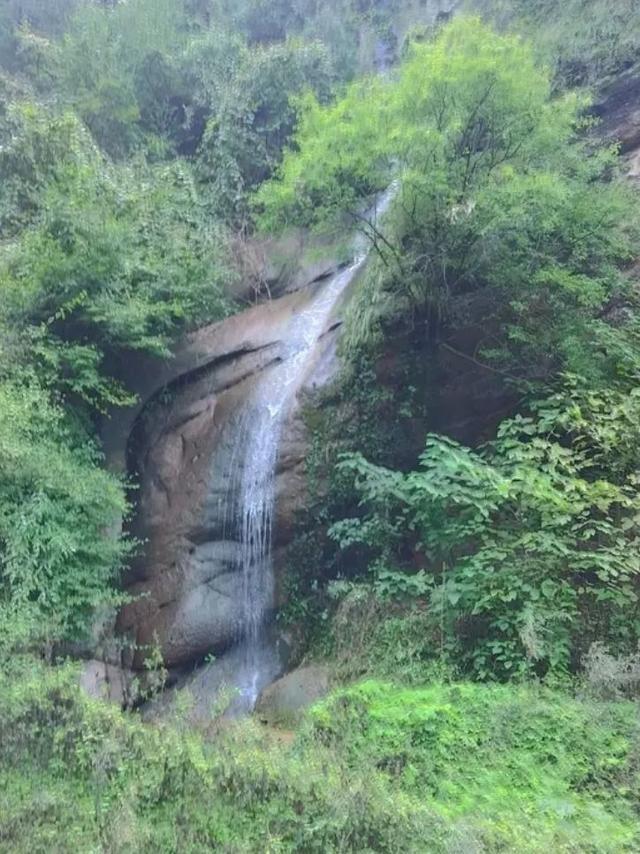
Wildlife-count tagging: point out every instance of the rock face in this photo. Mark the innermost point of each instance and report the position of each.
(187, 585)
(104, 682)
(618, 110)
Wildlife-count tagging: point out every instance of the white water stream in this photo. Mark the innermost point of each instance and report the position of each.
(248, 499)
(258, 441)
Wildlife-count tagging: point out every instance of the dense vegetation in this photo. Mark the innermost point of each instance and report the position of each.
(506, 212)
(130, 137)
(138, 141)
(375, 768)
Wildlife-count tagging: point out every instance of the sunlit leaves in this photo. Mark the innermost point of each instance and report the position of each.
(498, 193)
(115, 257)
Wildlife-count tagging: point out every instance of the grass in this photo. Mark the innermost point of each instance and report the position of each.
(525, 767)
(375, 768)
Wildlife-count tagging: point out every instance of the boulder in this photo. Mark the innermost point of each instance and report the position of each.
(285, 701)
(104, 681)
(617, 108)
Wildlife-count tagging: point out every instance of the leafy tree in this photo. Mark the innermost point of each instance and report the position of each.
(37, 149)
(251, 114)
(117, 68)
(496, 195)
(26, 27)
(116, 258)
(59, 519)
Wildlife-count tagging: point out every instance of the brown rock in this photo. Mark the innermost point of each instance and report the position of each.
(189, 592)
(286, 700)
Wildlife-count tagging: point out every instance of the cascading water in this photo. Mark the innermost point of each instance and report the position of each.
(243, 484)
(253, 493)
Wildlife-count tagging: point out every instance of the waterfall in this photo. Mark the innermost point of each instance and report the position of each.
(246, 501)
(252, 495)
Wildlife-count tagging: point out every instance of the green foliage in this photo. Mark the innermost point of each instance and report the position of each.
(350, 29)
(93, 778)
(496, 196)
(584, 40)
(370, 634)
(38, 149)
(97, 260)
(115, 257)
(340, 155)
(210, 80)
(133, 73)
(48, 18)
(380, 416)
(121, 252)
(464, 104)
(248, 93)
(117, 66)
(520, 769)
(507, 222)
(531, 541)
(59, 520)
(376, 768)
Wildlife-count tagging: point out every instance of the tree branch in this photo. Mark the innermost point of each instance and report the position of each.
(479, 364)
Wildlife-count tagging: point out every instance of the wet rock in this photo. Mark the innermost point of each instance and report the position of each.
(188, 592)
(618, 109)
(225, 687)
(274, 266)
(294, 261)
(227, 353)
(285, 701)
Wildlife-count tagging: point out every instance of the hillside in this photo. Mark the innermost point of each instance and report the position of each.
(319, 408)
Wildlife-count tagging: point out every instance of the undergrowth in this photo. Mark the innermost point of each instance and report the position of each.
(522, 768)
(375, 768)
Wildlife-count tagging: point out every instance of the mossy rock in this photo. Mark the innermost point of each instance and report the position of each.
(285, 701)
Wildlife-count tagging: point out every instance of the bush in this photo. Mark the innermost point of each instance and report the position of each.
(60, 517)
(529, 542)
(611, 677)
(164, 788)
(523, 769)
(377, 768)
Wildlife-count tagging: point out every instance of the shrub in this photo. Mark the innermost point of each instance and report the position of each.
(530, 541)
(522, 768)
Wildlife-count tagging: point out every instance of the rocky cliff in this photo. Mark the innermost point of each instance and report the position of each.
(177, 443)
